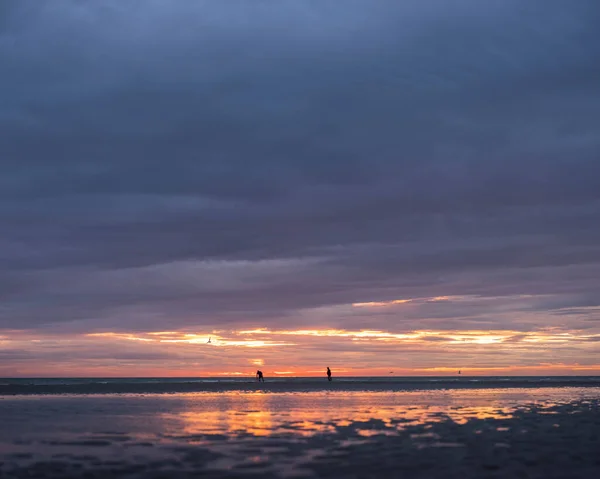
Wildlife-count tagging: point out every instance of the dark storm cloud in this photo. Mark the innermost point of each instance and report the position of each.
(212, 161)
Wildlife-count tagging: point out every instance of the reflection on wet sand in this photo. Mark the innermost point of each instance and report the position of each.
(450, 433)
(256, 423)
(267, 414)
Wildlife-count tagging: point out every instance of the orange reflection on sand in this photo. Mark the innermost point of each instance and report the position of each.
(365, 413)
(256, 423)
(478, 412)
(251, 415)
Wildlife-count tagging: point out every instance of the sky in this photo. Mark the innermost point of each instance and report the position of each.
(380, 187)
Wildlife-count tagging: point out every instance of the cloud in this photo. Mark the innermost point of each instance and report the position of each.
(297, 351)
(208, 164)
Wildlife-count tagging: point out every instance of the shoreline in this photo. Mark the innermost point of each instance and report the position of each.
(291, 385)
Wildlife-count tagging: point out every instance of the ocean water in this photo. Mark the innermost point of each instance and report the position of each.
(11, 386)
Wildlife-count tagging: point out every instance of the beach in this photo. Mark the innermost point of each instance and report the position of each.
(353, 430)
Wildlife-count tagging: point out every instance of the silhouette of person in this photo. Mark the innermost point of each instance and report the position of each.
(328, 374)
(259, 376)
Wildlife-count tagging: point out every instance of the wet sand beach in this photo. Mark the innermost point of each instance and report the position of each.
(491, 432)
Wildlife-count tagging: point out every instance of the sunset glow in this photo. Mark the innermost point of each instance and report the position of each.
(307, 351)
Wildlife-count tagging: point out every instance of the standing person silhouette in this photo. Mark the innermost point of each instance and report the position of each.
(328, 374)
(259, 376)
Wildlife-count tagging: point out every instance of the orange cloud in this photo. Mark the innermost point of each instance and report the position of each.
(374, 304)
(189, 338)
(379, 304)
(347, 352)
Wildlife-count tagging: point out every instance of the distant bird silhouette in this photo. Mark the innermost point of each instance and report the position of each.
(391, 372)
(208, 342)
(459, 371)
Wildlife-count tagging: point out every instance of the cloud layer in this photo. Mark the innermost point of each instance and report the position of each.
(206, 165)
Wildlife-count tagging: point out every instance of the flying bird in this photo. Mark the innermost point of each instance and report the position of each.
(208, 342)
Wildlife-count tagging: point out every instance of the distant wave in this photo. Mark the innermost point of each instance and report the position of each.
(289, 384)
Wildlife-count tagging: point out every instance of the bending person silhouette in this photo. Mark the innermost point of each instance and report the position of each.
(259, 376)
(328, 374)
